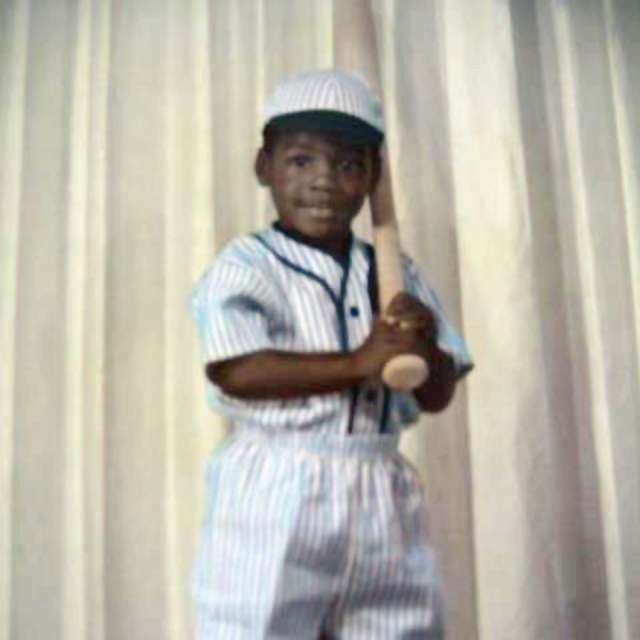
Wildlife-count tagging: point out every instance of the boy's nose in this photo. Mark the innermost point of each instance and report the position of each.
(324, 175)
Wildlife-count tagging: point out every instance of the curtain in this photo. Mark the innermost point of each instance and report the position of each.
(127, 135)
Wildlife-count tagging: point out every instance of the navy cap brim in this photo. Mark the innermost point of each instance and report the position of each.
(351, 129)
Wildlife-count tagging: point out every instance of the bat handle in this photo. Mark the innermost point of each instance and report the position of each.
(405, 372)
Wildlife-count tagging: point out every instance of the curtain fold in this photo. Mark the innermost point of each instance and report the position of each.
(127, 136)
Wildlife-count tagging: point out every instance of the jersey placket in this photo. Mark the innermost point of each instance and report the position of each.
(338, 301)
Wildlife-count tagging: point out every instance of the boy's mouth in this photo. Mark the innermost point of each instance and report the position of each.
(320, 213)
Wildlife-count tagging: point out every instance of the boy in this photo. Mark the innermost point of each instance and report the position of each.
(315, 524)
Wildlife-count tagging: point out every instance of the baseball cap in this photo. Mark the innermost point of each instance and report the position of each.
(327, 100)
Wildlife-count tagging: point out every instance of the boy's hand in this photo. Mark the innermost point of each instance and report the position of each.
(408, 312)
(408, 327)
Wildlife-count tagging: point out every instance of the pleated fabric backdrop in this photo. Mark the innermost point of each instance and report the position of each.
(127, 134)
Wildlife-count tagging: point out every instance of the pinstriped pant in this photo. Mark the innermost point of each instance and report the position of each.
(314, 536)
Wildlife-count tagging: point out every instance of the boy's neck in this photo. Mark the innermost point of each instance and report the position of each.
(338, 249)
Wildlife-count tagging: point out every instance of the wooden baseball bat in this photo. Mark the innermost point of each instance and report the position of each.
(406, 371)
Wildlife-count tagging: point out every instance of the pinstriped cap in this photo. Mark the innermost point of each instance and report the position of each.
(330, 100)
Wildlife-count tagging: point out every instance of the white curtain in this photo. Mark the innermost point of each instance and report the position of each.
(127, 134)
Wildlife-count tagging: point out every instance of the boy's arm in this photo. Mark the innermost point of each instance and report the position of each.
(271, 374)
(281, 374)
(437, 392)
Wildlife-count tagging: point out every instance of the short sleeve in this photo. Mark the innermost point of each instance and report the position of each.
(449, 339)
(234, 308)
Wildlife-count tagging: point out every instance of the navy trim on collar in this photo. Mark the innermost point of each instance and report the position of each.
(302, 239)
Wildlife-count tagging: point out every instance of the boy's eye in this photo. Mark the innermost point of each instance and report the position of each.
(300, 160)
(351, 165)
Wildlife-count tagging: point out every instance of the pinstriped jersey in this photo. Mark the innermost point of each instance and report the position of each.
(272, 290)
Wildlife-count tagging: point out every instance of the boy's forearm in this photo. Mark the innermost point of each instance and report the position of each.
(281, 375)
(438, 390)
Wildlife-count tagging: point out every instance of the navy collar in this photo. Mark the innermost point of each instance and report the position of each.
(302, 239)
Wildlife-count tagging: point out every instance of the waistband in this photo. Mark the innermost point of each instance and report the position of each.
(356, 444)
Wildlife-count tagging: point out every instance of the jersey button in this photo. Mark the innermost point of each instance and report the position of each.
(370, 395)
(354, 311)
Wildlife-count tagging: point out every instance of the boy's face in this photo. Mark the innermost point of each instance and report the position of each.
(318, 185)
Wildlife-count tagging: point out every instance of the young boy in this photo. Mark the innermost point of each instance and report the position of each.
(315, 524)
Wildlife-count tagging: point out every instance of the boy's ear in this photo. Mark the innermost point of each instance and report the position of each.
(262, 167)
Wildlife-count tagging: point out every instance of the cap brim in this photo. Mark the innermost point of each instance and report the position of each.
(351, 129)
